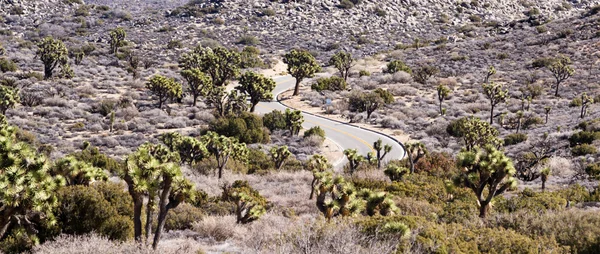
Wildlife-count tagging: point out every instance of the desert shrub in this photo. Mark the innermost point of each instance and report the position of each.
(531, 201)
(593, 170)
(316, 130)
(268, 12)
(541, 62)
(420, 187)
(455, 127)
(258, 161)
(583, 149)
(514, 138)
(117, 196)
(19, 241)
(83, 210)
(248, 40)
(363, 73)
(386, 95)
(183, 217)
(93, 156)
(333, 83)
(7, 65)
(583, 137)
(247, 128)
(396, 66)
(437, 164)
(274, 120)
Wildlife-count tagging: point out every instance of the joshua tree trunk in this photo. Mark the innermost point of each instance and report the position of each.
(149, 218)
(137, 218)
(312, 188)
(164, 209)
(412, 164)
(492, 115)
(483, 209)
(297, 87)
(253, 107)
(195, 99)
(441, 112)
(5, 222)
(557, 86)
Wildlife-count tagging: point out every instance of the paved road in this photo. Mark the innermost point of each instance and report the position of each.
(344, 135)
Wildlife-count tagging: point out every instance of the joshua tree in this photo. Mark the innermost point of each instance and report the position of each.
(336, 197)
(9, 97)
(547, 110)
(585, 104)
(199, 84)
(317, 164)
(190, 149)
(395, 172)
(415, 152)
(249, 204)
(52, 53)
(474, 132)
(224, 148)
(28, 189)
(378, 146)
(487, 172)
(134, 62)
(491, 71)
(519, 120)
(257, 87)
(164, 88)
(561, 70)
(77, 172)
(279, 155)
(545, 173)
(343, 62)
(116, 39)
(496, 95)
(443, 92)
(220, 64)
(300, 64)
(293, 121)
(225, 104)
(378, 203)
(354, 159)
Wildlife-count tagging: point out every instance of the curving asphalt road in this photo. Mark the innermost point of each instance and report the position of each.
(345, 135)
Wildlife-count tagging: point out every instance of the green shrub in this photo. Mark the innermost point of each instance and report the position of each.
(583, 149)
(363, 73)
(117, 196)
(317, 130)
(83, 210)
(247, 128)
(437, 164)
(583, 137)
(97, 159)
(593, 170)
(183, 217)
(7, 65)
(386, 95)
(275, 120)
(248, 40)
(19, 241)
(396, 66)
(333, 83)
(514, 138)
(268, 12)
(345, 4)
(258, 162)
(531, 201)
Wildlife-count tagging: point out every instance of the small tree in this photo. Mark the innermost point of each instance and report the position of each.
(225, 104)
(343, 62)
(544, 173)
(378, 146)
(354, 159)
(561, 70)
(293, 121)
(415, 152)
(249, 204)
(190, 149)
(395, 172)
(491, 71)
(368, 102)
(487, 172)
(424, 73)
(586, 100)
(547, 110)
(134, 62)
(396, 66)
(77, 172)
(496, 95)
(300, 64)
(317, 164)
(116, 39)
(164, 88)
(257, 87)
(474, 132)
(220, 64)
(279, 155)
(52, 53)
(199, 84)
(9, 97)
(224, 148)
(443, 92)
